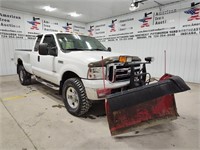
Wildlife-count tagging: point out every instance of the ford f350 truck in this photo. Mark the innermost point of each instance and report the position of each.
(83, 70)
(64, 62)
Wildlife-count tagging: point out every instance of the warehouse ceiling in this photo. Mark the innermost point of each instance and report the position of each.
(91, 10)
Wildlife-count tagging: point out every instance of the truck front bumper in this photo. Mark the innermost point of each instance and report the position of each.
(95, 88)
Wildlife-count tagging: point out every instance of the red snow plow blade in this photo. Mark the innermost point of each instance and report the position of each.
(144, 106)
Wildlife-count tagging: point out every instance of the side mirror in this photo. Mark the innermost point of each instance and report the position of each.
(53, 51)
(109, 49)
(149, 59)
(43, 50)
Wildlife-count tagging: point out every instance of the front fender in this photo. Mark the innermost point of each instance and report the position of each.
(80, 71)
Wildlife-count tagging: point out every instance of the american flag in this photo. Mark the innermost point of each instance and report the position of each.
(90, 32)
(35, 25)
(194, 12)
(145, 21)
(112, 28)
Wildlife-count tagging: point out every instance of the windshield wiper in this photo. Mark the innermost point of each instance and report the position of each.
(83, 49)
(98, 49)
(74, 49)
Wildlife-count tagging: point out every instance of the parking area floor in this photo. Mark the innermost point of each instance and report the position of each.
(34, 117)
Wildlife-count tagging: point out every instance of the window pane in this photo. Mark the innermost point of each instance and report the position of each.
(36, 48)
(79, 42)
(49, 39)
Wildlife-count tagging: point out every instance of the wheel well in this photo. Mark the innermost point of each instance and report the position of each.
(67, 75)
(19, 63)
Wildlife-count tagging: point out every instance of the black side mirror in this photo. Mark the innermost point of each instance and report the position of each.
(53, 51)
(109, 49)
(43, 50)
(149, 59)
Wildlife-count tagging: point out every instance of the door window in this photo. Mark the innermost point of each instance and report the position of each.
(36, 48)
(49, 39)
(51, 45)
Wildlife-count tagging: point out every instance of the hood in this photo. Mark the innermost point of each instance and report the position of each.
(95, 57)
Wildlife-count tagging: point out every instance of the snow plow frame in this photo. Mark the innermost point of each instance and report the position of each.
(143, 105)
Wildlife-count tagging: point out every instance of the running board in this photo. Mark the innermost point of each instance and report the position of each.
(52, 86)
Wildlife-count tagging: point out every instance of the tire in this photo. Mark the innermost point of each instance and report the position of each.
(24, 76)
(75, 98)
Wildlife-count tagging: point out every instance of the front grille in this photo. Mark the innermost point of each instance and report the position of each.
(120, 72)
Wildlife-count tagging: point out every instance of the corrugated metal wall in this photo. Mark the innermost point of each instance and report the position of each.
(183, 54)
(7, 47)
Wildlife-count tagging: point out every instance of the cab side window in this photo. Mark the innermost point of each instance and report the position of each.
(36, 48)
(51, 45)
(49, 39)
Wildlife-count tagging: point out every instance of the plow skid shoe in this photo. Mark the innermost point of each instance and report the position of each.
(145, 106)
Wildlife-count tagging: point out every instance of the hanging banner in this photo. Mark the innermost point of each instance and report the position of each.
(14, 24)
(79, 28)
(178, 19)
(11, 24)
(190, 18)
(173, 20)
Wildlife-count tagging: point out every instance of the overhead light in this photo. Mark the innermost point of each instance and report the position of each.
(49, 8)
(135, 4)
(74, 14)
(132, 8)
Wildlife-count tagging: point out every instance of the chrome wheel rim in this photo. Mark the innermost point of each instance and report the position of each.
(72, 97)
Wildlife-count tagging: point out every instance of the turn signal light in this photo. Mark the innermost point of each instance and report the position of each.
(124, 59)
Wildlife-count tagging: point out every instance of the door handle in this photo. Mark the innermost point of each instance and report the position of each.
(38, 58)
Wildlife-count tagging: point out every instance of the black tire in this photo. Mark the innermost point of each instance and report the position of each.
(82, 104)
(24, 76)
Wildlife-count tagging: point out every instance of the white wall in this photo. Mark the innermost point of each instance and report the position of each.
(182, 46)
(183, 54)
(8, 43)
(7, 48)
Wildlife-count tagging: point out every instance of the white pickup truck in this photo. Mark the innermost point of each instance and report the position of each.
(80, 67)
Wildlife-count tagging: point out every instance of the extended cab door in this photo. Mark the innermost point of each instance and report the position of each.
(44, 65)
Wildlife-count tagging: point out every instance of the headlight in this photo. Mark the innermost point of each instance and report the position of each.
(96, 72)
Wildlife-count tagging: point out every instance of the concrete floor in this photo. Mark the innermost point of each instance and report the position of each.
(33, 117)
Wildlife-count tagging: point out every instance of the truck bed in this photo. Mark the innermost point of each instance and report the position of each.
(24, 56)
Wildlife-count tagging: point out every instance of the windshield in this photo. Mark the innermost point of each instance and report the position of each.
(75, 42)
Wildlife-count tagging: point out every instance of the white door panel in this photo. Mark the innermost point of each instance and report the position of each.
(44, 66)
